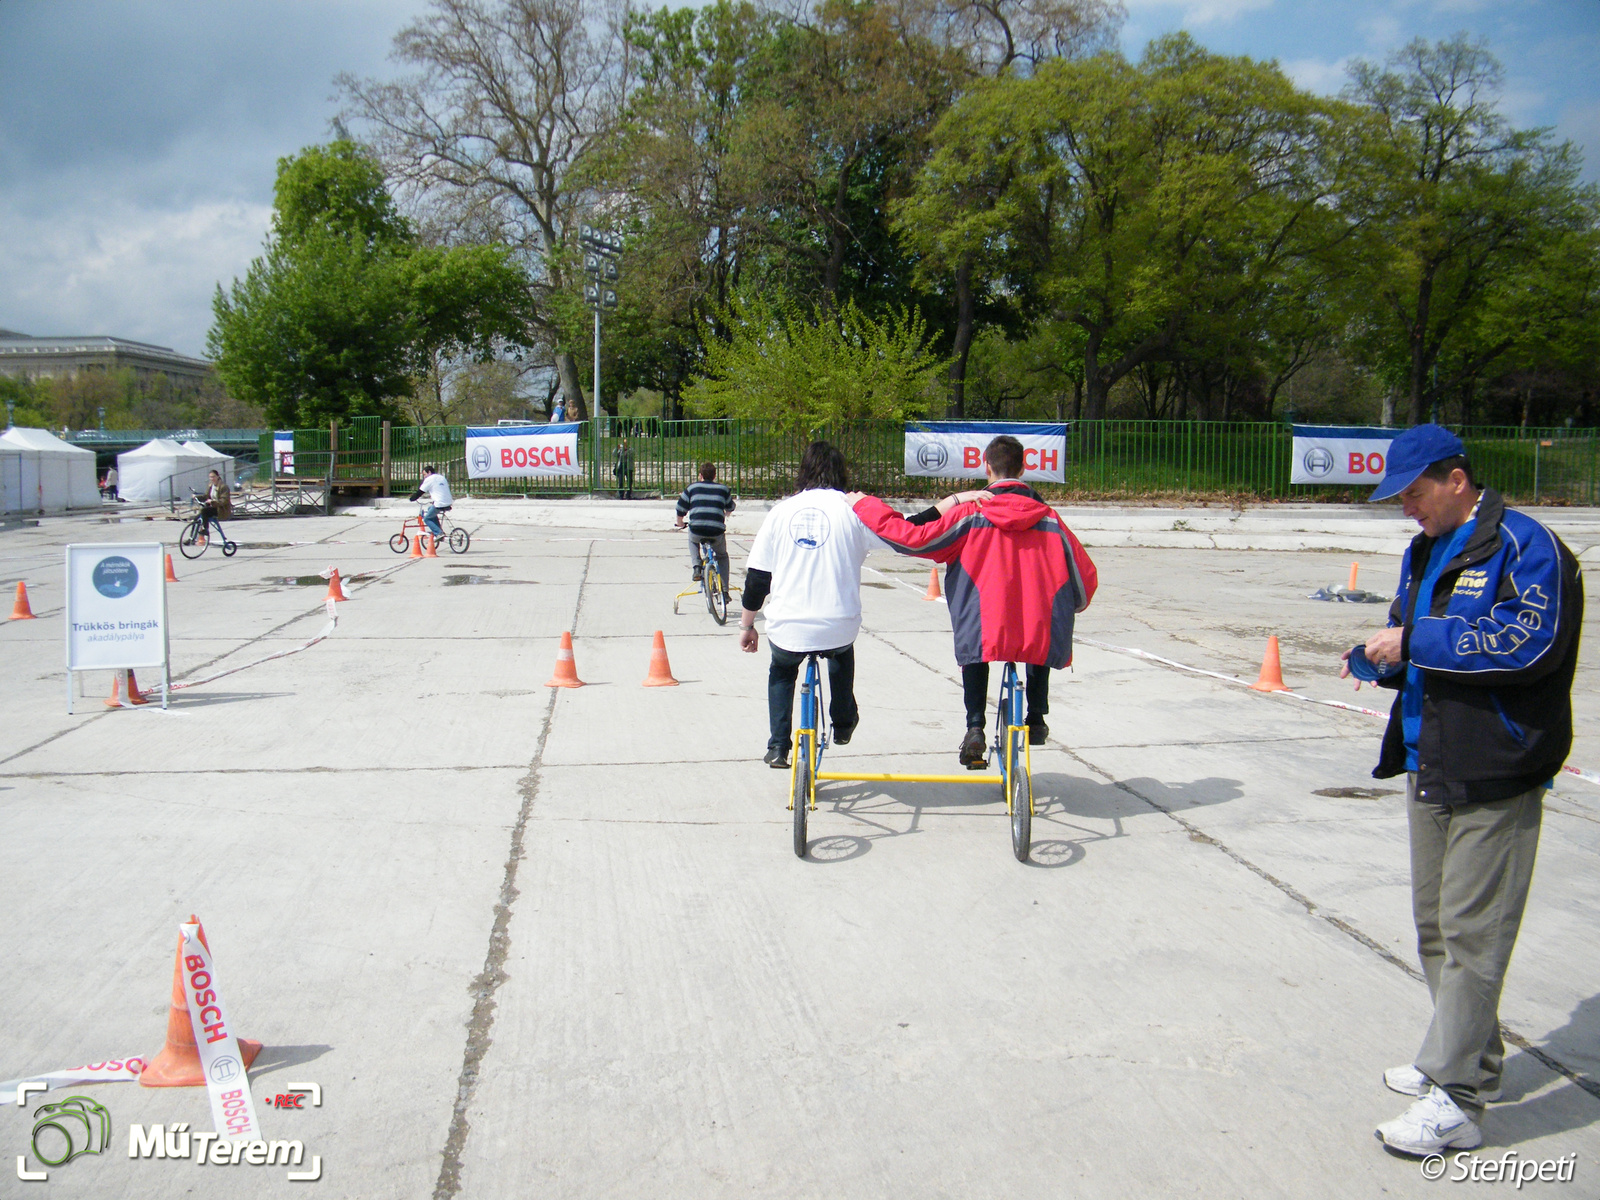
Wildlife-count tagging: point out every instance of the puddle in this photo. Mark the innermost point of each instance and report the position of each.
(265, 545)
(1356, 793)
(459, 580)
(310, 580)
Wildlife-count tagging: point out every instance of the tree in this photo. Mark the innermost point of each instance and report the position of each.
(1466, 217)
(806, 370)
(345, 309)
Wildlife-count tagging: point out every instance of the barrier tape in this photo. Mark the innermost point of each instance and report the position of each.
(1586, 776)
(114, 1070)
(333, 621)
(220, 1060)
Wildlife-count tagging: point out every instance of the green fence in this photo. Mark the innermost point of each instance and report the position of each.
(1104, 459)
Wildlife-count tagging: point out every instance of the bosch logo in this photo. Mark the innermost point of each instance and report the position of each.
(1318, 461)
(932, 455)
(481, 458)
(225, 1070)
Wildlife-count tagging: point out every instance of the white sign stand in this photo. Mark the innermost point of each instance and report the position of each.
(117, 610)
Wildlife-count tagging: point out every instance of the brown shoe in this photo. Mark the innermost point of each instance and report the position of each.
(974, 753)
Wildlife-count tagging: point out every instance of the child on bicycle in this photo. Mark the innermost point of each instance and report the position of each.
(707, 505)
(1016, 578)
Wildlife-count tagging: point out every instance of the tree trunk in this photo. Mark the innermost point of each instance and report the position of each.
(965, 308)
(1093, 380)
(1077, 399)
(1388, 409)
(571, 388)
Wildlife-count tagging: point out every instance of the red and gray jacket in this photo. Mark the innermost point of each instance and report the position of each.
(1015, 579)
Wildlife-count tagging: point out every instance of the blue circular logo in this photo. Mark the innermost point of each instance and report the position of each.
(809, 528)
(115, 577)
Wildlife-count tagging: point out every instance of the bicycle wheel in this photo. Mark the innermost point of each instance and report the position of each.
(229, 549)
(800, 789)
(460, 539)
(1019, 793)
(716, 599)
(399, 543)
(191, 542)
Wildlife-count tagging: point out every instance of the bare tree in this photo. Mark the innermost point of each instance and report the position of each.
(506, 99)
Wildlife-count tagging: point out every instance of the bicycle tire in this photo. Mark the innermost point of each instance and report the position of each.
(190, 542)
(716, 600)
(1019, 794)
(399, 543)
(800, 791)
(229, 549)
(460, 539)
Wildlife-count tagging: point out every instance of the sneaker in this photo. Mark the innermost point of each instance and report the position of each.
(974, 754)
(1038, 732)
(777, 757)
(842, 734)
(1432, 1125)
(1409, 1081)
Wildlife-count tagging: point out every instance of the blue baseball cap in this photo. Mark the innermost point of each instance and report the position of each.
(1412, 453)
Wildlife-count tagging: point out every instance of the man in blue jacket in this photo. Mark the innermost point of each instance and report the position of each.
(1482, 644)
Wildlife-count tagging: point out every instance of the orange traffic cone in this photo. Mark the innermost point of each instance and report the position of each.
(1271, 679)
(171, 578)
(115, 699)
(431, 550)
(178, 1063)
(335, 592)
(566, 666)
(933, 592)
(1354, 567)
(20, 610)
(416, 547)
(660, 670)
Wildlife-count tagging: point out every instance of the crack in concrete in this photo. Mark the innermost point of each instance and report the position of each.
(481, 1025)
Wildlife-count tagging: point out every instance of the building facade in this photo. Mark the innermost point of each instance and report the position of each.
(24, 357)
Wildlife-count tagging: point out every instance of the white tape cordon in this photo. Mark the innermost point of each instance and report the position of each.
(333, 621)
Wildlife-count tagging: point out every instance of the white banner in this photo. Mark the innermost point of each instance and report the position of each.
(954, 449)
(283, 452)
(1340, 454)
(116, 606)
(226, 1084)
(522, 451)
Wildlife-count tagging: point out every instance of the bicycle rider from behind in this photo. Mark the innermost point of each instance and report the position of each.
(437, 488)
(216, 504)
(707, 504)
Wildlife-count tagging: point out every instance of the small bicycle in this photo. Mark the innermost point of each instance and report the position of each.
(1010, 745)
(455, 537)
(711, 584)
(194, 539)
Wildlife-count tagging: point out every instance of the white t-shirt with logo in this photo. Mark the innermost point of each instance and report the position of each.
(437, 488)
(813, 544)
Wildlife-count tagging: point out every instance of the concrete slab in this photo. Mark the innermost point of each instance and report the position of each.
(550, 941)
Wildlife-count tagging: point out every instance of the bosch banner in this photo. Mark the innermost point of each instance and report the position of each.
(1340, 454)
(522, 451)
(954, 449)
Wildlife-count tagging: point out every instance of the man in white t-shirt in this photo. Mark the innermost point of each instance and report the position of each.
(437, 488)
(806, 567)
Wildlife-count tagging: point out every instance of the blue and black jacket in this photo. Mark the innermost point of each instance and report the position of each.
(1497, 643)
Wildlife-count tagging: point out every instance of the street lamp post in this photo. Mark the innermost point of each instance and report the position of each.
(601, 248)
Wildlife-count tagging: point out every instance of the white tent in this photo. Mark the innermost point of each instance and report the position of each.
(222, 463)
(41, 473)
(162, 470)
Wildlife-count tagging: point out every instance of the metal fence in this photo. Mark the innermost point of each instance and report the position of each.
(1104, 459)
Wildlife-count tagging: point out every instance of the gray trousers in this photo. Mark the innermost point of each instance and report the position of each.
(719, 547)
(1470, 870)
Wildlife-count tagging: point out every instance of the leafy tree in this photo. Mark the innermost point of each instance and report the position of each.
(345, 308)
(806, 370)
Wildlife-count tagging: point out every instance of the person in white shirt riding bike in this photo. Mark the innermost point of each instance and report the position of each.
(437, 488)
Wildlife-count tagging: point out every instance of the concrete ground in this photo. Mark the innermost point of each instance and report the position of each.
(540, 942)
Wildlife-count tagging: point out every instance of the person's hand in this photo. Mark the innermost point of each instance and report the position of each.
(677, 524)
(749, 640)
(976, 496)
(1383, 647)
(854, 498)
(1344, 667)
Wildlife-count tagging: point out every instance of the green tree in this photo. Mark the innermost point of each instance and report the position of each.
(345, 309)
(805, 370)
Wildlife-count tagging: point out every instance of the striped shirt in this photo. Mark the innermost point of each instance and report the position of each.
(707, 506)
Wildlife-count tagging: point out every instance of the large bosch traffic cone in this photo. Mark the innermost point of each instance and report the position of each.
(178, 1063)
(1354, 569)
(431, 550)
(115, 699)
(416, 547)
(933, 592)
(171, 578)
(660, 670)
(335, 592)
(566, 666)
(1271, 679)
(20, 610)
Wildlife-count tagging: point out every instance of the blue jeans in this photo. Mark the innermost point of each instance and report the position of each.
(781, 677)
(430, 518)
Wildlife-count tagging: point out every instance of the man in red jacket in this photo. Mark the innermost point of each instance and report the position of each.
(1015, 579)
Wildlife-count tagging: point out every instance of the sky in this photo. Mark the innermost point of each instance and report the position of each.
(139, 138)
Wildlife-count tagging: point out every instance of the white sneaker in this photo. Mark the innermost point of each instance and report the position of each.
(1409, 1081)
(1431, 1125)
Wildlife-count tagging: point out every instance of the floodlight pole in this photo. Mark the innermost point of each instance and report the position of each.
(595, 415)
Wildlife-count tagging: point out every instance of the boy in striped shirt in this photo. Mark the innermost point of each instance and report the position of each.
(707, 505)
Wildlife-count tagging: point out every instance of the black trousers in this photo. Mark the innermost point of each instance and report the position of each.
(975, 690)
(781, 677)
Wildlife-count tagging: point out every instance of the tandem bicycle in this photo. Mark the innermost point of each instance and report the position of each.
(1009, 750)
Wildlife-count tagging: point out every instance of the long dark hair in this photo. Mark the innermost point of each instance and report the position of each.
(822, 466)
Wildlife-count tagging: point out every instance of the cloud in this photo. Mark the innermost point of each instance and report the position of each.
(1199, 12)
(1318, 74)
